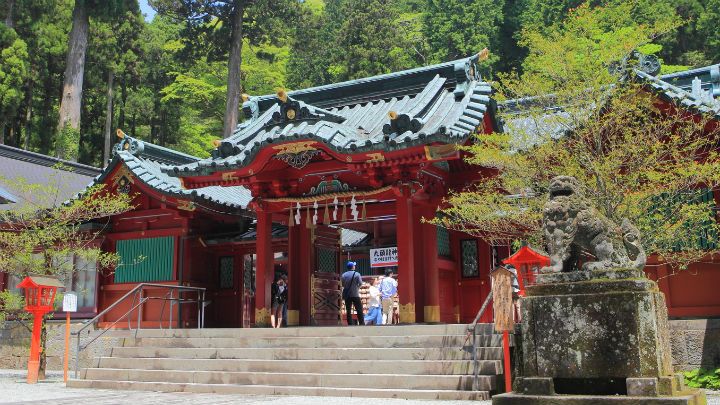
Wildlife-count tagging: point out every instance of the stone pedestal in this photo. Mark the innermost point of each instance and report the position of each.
(596, 337)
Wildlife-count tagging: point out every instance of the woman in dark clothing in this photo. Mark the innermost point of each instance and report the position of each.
(278, 297)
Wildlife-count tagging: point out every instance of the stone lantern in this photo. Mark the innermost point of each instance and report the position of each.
(39, 299)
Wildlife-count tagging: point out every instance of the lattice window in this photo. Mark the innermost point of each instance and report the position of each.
(326, 260)
(469, 252)
(226, 270)
(443, 242)
(149, 259)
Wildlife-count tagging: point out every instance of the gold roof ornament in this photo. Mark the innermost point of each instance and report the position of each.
(120, 134)
(216, 143)
(484, 54)
(245, 97)
(282, 95)
(393, 115)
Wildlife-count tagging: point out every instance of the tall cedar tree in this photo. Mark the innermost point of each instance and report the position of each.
(68, 127)
(227, 24)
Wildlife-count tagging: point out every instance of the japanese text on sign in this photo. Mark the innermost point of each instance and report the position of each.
(382, 257)
(69, 302)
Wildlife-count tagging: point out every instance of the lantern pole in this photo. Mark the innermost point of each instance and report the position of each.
(34, 360)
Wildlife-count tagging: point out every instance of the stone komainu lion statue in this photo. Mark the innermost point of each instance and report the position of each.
(572, 226)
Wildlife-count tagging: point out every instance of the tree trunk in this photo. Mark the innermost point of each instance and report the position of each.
(233, 86)
(108, 119)
(123, 98)
(73, 83)
(2, 132)
(9, 16)
(28, 113)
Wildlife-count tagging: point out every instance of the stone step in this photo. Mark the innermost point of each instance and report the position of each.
(484, 353)
(320, 331)
(454, 341)
(300, 379)
(282, 390)
(415, 367)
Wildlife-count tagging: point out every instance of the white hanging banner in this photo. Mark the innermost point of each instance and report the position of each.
(383, 257)
(69, 302)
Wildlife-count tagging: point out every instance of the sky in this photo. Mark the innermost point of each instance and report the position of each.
(147, 11)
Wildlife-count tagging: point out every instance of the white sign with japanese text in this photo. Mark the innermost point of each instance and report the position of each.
(69, 302)
(382, 257)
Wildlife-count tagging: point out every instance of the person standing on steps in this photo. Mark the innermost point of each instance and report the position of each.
(388, 290)
(351, 282)
(374, 314)
(278, 297)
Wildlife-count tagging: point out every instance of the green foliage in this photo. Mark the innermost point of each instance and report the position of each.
(624, 154)
(13, 72)
(11, 303)
(703, 378)
(66, 142)
(41, 235)
(162, 95)
(458, 28)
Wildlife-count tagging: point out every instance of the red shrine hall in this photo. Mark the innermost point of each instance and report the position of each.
(309, 180)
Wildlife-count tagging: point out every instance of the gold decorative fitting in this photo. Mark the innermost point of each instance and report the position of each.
(348, 159)
(251, 171)
(282, 95)
(393, 115)
(407, 313)
(122, 172)
(295, 147)
(375, 157)
(290, 114)
(230, 176)
(262, 317)
(245, 97)
(296, 154)
(216, 142)
(126, 146)
(186, 205)
(484, 54)
(120, 134)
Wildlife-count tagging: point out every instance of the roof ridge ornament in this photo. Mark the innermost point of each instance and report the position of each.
(128, 144)
(635, 60)
(294, 110)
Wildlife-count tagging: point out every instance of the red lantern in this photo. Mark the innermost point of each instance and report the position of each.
(527, 262)
(39, 299)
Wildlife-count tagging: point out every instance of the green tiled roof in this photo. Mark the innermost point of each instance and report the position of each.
(441, 103)
(146, 161)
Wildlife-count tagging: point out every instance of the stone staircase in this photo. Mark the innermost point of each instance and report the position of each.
(411, 362)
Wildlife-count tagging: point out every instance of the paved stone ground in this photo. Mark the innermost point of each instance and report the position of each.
(14, 390)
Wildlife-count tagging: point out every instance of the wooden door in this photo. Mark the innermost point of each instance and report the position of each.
(474, 282)
(326, 296)
(227, 298)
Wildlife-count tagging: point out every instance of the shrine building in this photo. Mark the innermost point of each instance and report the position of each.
(316, 177)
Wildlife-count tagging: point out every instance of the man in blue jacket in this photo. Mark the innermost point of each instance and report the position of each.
(351, 282)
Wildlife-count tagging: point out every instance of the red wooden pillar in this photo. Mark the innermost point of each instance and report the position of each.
(305, 261)
(295, 275)
(431, 273)
(264, 270)
(406, 256)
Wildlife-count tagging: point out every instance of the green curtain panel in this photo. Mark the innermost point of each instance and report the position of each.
(149, 259)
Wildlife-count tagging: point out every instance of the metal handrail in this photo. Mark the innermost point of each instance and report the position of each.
(134, 293)
(472, 331)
